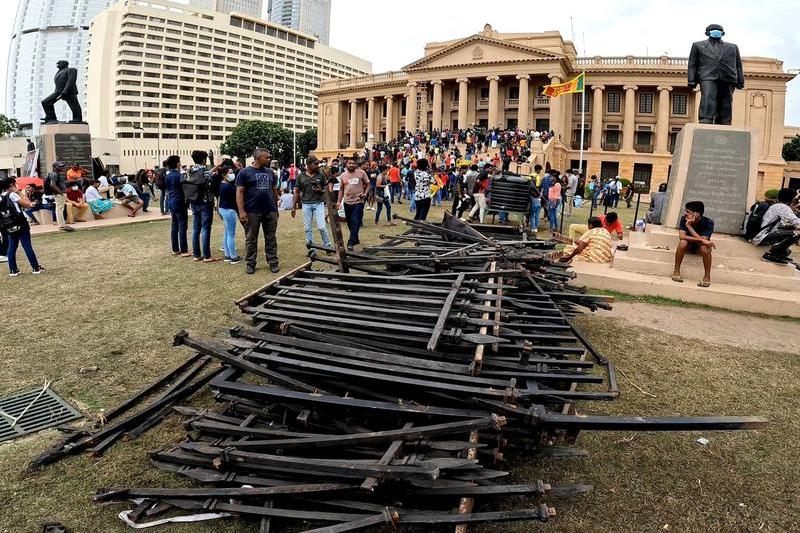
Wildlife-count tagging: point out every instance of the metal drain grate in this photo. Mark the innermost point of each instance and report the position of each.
(47, 411)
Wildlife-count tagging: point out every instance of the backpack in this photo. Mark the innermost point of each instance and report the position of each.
(48, 188)
(755, 219)
(161, 179)
(195, 184)
(11, 220)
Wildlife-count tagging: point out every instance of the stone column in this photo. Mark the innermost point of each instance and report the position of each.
(371, 122)
(463, 99)
(523, 110)
(391, 133)
(353, 122)
(411, 108)
(662, 120)
(556, 118)
(597, 118)
(493, 100)
(628, 124)
(437, 104)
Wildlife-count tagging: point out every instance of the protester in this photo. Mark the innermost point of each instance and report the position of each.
(56, 184)
(571, 190)
(76, 205)
(610, 221)
(38, 202)
(161, 185)
(15, 227)
(657, 200)
(196, 183)
(422, 191)
(536, 204)
(394, 180)
(176, 204)
(105, 188)
(354, 186)
(76, 173)
(129, 197)
(230, 218)
(382, 195)
(96, 202)
(695, 232)
(309, 192)
(144, 188)
(594, 245)
(780, 229)
(553, 200)
(257, 202)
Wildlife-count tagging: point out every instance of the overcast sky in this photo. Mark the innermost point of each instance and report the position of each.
(392, 34)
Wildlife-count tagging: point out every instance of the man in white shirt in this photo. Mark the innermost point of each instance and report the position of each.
(777, 230)
(104, 188)
(97, 203)
(572, 187)
(130, 198)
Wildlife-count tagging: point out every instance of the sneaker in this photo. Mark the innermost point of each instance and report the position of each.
(14, 274)
(3, 259)
(251, 269)
(349, 247)
(274, 268)
(226, 259)
(67, 228)
(236, 260)
(39, 270)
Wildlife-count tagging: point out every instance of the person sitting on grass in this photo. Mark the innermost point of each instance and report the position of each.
(695, 232)
(97, 203)
(128, 197)
(779, 228)
(610, 221)
(594, 246)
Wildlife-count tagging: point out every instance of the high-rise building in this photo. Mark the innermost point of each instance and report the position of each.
(309, 16)
(45, 32)
(166, 78)
(247, 7)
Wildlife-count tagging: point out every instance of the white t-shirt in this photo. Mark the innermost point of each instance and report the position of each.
(776, 212)
(572, 184)
(128, 190)
(103, 181)
(91, 194)
(15, 200)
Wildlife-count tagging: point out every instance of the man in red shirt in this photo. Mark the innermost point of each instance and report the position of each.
(610, 221)
(75, 204)
(394, 183)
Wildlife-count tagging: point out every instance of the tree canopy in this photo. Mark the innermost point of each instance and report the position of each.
(791, 150)
(251, 134)
(8, 125)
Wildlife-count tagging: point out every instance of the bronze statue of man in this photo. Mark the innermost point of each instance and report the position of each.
(717, 67)
(67, 90)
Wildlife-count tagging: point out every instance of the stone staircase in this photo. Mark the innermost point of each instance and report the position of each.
(740, 280)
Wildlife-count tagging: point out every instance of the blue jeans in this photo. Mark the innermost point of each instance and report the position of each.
(311, 211)
(230, 219)
(552, 214)
(395, 188)
(355, 217)
(536, 209)
(503, 216)
(30, 211)
(413, 205)
(14, 240)
(145, 198)
(201, 229)
(180, 223)
(162, 201)
(381, 204)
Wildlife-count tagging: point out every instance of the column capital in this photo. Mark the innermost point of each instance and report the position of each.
(436, 82)
(411, 84)
(353, 100)
(551, 76)
(493, 77)
(598, 87)
(462, 80)
(389, 97)
(631, 87)
(523, 76)
(664, 88)
(370, 98)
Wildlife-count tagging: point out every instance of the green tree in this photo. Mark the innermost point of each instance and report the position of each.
(8, 125)
(791, 150)
(251, 134)
(306, 142)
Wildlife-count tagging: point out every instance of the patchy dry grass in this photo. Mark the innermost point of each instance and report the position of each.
(115, 297)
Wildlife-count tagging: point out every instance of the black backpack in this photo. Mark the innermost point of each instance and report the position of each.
(755, 219)
(11, 219)
(195, 184)
(48, 188)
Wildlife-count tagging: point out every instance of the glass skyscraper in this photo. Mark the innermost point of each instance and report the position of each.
(309, 16)
(45, 32)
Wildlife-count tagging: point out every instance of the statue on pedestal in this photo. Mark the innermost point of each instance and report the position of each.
(717, 67)
(67, 90)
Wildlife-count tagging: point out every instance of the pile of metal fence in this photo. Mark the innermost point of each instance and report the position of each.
(390, 390)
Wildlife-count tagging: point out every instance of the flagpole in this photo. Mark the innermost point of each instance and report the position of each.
(583, 121)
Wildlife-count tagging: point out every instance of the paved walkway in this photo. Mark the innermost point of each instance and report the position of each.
(152, 215)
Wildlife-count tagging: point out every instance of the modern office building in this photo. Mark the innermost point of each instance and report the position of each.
(633, 107)
(45, 32)
(309, 16)
(167, 78)
(247, 7)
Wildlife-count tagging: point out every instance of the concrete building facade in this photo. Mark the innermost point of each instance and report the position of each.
(634, 106)
(45, 32)
(246, 7)
(309, 16)
(166, 78)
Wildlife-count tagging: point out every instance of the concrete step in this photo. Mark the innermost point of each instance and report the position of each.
(660, 237)
(692, 271)
(723, 295)
(744, 263)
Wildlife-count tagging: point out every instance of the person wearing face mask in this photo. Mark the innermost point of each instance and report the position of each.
(230, 217)
(76, 205)
(717, 67)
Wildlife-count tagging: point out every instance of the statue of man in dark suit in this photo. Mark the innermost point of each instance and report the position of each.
(67, 90)
(717, 68)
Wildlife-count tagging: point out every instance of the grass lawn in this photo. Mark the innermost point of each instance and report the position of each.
(114, 297)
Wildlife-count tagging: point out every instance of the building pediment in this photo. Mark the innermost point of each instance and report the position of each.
(479, 49)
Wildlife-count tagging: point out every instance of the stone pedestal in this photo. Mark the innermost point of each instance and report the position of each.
(68, 143)
(717, 165)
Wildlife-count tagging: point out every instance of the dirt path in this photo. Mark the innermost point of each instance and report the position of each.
(713, 326)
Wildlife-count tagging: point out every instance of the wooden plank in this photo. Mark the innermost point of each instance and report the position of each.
(466, 504)
(497, 313)
(443, 314)
(245, 300)
(477, 360)
(338, 239)
(391, 452)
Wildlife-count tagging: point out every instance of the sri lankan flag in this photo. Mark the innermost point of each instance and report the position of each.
(573, 86)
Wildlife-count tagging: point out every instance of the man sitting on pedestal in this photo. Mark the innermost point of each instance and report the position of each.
(695, 232)
(780, 228)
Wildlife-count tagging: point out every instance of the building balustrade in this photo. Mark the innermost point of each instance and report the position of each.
(610, 147)
(483, 103)
(454, 104)
(643, 148)
(541, 101)
(512, 103)
(576, 145)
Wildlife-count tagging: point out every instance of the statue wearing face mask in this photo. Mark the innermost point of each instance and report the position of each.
(717, 68)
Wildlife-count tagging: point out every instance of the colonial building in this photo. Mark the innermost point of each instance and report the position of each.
(633, 107)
